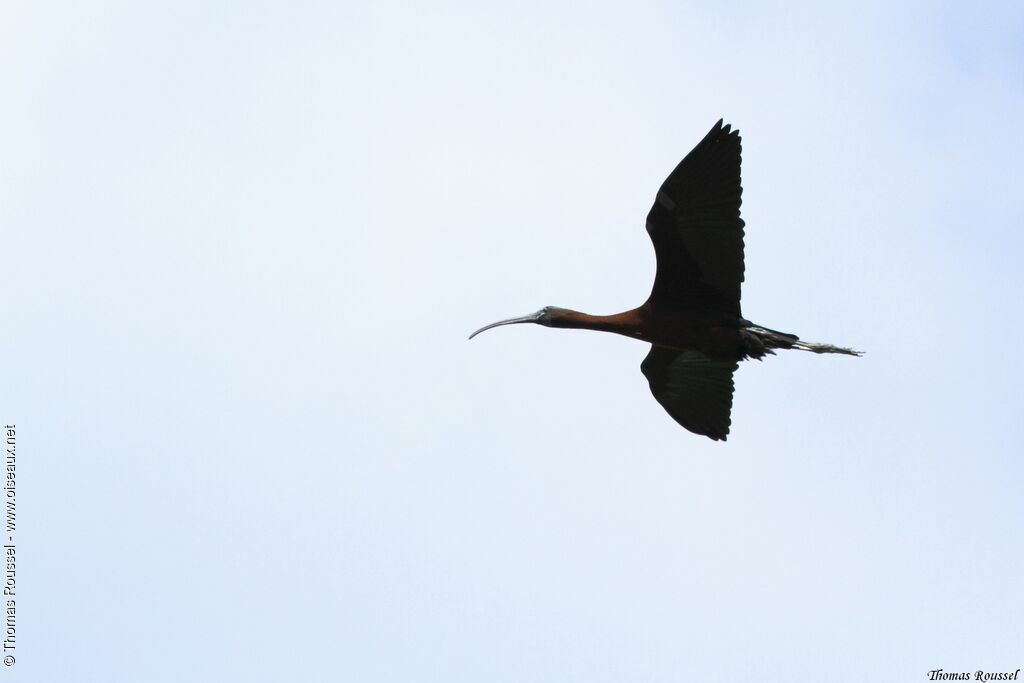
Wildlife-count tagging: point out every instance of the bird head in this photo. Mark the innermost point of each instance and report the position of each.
(545, 316)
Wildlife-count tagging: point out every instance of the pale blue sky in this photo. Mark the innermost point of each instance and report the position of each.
(243, 247)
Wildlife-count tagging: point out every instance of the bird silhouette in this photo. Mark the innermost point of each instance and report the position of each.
(692, 318)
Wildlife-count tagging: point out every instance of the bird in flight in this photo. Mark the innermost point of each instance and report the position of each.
(692, 318)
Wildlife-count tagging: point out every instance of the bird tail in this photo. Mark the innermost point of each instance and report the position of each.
(762, 340)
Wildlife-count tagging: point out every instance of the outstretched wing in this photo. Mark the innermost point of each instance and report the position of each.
(696, 228)
(694, 389)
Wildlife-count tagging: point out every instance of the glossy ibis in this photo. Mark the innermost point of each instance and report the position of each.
(692, 318)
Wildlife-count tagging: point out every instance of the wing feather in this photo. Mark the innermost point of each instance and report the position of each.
(696, 228)
(694, 390)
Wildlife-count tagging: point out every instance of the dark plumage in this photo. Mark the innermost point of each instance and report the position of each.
(692, 318)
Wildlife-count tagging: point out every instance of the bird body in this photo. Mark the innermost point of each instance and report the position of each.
(714, 333)
(692, 318)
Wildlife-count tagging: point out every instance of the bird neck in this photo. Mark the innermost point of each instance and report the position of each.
(620, 323)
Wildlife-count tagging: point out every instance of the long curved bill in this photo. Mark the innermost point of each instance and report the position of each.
(532, 318)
